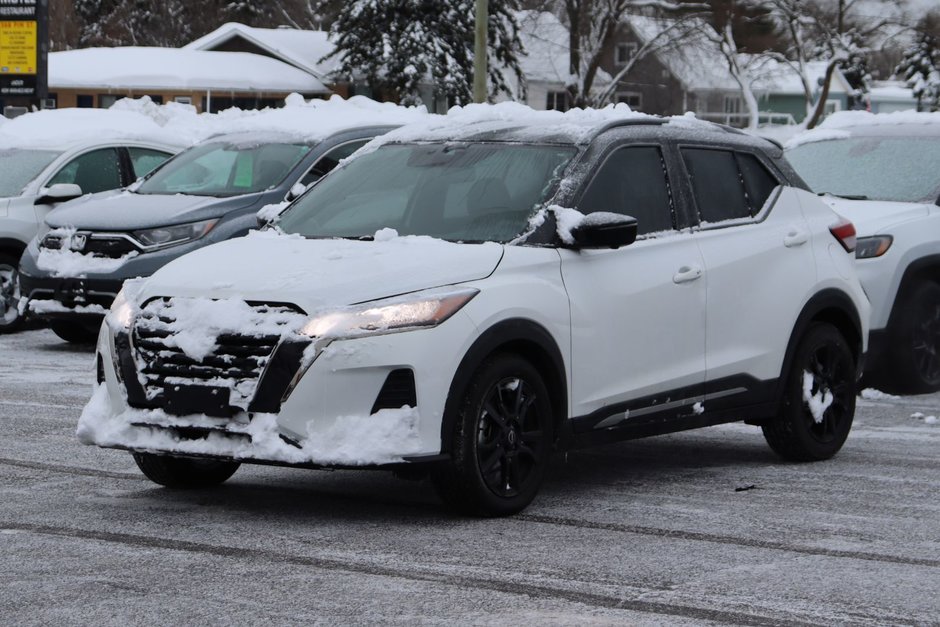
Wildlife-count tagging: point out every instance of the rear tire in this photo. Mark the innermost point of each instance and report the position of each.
(502, 440)
(10, 318)
(74, 332)
(818, 405)
(912, 362)
(184, 472)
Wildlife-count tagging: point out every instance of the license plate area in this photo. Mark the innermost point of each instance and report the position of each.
(184, 400)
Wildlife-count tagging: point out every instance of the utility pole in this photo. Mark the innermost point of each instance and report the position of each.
(479, 51)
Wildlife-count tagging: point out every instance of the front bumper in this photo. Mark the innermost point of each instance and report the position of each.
(335, 416)
(68, 298)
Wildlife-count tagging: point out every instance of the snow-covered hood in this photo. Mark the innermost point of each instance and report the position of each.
(312, 274)
(874, 217)
(127, 211)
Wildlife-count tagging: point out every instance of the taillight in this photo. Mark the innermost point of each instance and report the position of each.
(844, 231)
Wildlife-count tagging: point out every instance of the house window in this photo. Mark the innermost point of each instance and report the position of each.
(557, 101)
(84, 101)
(188, 100)
(631, 98)
(733, 104)
(625, 52)
(832, 106)
(106, 100)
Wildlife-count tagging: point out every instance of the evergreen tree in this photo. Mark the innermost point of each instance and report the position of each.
(857, 73)
(920, 68)
(398, 45)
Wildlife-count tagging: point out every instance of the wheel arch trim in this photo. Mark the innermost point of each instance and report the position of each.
(517, 335)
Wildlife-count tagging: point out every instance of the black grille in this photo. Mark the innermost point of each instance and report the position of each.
(236, 359)
(108, 247)
(397, 391)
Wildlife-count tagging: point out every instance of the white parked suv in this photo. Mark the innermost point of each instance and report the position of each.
(469, 296)
(36, 178)
(883, 173)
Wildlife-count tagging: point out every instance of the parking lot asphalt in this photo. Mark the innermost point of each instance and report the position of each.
(702, 527)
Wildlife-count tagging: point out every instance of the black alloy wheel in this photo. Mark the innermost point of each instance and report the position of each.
(819, 398)
(502, 440)
(10, 318)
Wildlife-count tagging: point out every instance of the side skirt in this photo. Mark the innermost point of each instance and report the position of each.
(733, 399)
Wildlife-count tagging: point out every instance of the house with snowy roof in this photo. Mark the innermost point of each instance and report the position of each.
(210, 80)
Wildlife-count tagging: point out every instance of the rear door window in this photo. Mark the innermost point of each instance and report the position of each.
(330, 160)
(632, 181)
(727, 185)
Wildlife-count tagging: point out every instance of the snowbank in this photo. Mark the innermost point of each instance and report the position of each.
(62, 127)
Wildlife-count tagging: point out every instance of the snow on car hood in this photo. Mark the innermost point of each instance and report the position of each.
(874, 217)
(317, 273)
(127, 211)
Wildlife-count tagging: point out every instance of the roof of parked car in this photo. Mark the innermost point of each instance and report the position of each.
(512, 122)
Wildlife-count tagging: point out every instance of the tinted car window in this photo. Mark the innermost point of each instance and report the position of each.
(716, 184)
(330, 160)
(632, 181)
(94, 171)
(758, 182)
(144, 160)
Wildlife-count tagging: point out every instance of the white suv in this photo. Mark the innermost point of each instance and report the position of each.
(883, 173)
(437, 302)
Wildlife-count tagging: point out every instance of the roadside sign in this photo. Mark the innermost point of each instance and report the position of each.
(23, 49)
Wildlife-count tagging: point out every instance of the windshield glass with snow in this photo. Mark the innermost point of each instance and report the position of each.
(903, 169)
(225, 169)
(457, 192)
(19, 167)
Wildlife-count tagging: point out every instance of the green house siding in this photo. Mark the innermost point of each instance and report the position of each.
(796, 105)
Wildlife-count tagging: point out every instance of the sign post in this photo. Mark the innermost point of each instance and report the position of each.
(24, 51)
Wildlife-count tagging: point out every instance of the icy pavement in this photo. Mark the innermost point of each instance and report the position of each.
(695, 528)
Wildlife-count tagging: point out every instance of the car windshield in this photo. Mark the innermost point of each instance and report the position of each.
(903, 169)
(18, 167)
(457, 192)
(225, 169)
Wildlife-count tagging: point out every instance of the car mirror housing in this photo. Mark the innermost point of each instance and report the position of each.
(605, 230)
(60, 192)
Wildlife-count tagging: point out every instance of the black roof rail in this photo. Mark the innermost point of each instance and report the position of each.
(649, 121)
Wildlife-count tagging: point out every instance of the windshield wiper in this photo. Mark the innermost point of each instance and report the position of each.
(846, 196)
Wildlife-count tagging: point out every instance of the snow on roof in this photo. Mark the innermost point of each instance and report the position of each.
(513, 121)
(179, 125)
(699, 65)
(307, 121)
(545, 39)
(841, 124)
(301, 48)
(140, 68)
(60, 128)
(892, 91)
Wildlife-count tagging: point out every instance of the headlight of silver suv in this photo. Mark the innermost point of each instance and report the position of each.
(403, 313)
(874, 246)
(166, 236)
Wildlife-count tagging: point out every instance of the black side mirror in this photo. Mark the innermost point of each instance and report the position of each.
(604, 230)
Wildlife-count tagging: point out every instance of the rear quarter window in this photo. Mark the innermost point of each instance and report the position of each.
(727, 185)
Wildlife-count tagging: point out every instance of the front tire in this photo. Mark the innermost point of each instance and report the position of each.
(502, 440)
(184, 472)
(10, 318)
(818, 405)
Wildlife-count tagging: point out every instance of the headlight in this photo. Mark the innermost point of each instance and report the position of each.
(875, 246)
(122, 312)
(414, 311)
(165, 236)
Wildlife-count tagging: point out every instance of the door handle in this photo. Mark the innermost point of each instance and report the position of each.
(796, 237)
(686, 274)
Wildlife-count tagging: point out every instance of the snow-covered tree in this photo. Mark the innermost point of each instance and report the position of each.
(920, 68)
(839, 32)
(400, 45)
